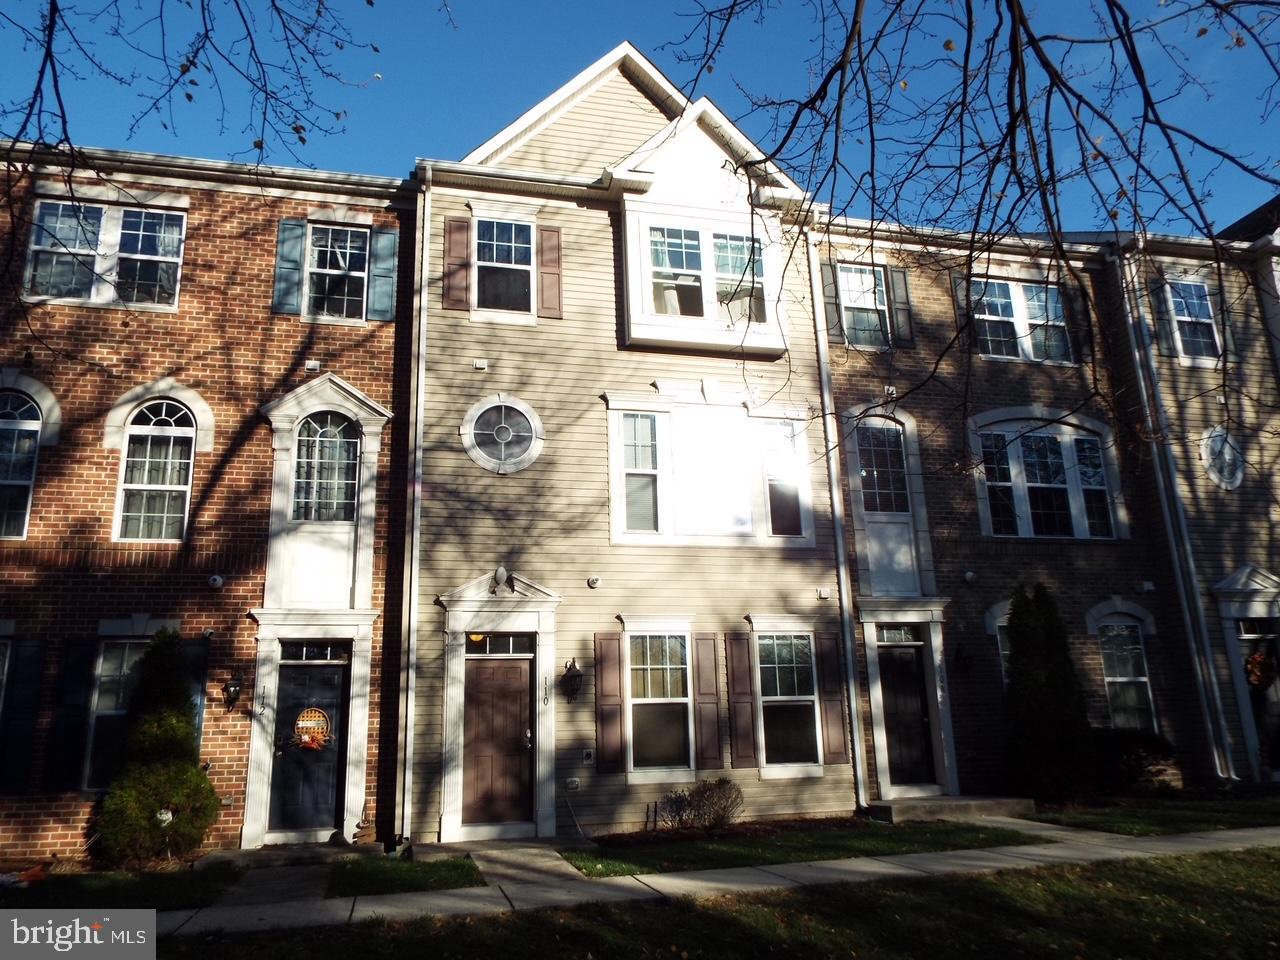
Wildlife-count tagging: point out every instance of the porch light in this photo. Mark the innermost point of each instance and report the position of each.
(231, 689)
(572, 680)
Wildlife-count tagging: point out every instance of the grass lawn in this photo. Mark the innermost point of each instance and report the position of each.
(164, 890)
(1177, 813)
(751, 844)
(1222, 906)
(368, 876)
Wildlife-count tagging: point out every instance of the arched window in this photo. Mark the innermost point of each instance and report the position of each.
(1124, 667)
(19, 445)
(155, 487)
(327, 468)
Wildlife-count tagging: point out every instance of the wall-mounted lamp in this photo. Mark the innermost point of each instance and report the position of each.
(231, 689)
(572, 680)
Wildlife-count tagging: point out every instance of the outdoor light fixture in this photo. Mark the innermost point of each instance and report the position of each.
(572, 680)
(231, 689)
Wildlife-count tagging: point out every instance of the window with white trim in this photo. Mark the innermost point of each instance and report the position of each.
(327, 468)
(864, 305)
(1019, 320)
(337, 273)
(1046, 482)
(705, 273)
(1124, 668)
(502, 433)
(105, 254)
(155, 482)
(1193, 321)
(882, 467)
(660, 706)
(504, 265)
(19, 447)
(709, 474)
(113, 685)
(788, 697)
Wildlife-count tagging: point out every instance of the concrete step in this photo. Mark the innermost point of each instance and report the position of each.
(902, 809)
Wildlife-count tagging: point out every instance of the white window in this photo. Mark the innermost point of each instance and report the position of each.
(337, 271)
(113, 686)
(327, 467)
(1193, 320)
(683, 286)
(788, 698)
(105, 254)
(1023, 321)
(864, 306)
(1222, 457)
(709, 475)
(1045, 482)
(19, 446)
(155, 484)
(504, 265)
(502, 433)
(1124, 667)
(660, 711)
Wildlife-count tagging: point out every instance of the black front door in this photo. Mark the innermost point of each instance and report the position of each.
(310, 747)
(906, 714)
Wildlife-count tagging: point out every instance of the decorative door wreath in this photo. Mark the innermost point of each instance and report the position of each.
(311, 731)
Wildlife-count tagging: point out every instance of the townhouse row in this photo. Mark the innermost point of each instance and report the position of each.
(597, 463)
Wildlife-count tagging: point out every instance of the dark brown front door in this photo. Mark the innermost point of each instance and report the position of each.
(906, 714)
(497, 748)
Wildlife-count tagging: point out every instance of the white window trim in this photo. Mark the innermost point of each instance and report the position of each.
(770, 626)
(38, 427)
(130, 430)
(997, 616)
(1123, 619)
(507, 213)
(1021, 321)
(1206, 457)
(645, 625)
(293, 476)
(1037, 419)
(663, 410)
(102, 290)
(1184, 359)
(336, 223)
(466, 430)
(880, 271)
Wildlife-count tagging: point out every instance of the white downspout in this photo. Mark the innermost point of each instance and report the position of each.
(1193, 619)
(831, 436)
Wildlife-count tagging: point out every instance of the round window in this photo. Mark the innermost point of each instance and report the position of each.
(502, 434)
(1223, 460)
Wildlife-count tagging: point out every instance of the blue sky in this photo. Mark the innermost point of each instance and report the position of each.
(444, 89)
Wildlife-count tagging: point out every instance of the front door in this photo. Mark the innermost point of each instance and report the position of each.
(908, 733)
(310, 746)
(498, 748)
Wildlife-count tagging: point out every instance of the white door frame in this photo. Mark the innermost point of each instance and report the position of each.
(486, 606)
(926, 614)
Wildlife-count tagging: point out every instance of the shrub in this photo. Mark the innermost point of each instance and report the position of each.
(707, 805)
(156, 810)
(1126, 761)
(161, 679)
(160, 737)
(1049, 737)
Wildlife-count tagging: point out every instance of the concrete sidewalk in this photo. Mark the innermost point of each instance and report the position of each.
(555, 888)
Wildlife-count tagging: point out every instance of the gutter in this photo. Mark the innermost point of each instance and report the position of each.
(413, 549)
(1175, 520)
(831, 435)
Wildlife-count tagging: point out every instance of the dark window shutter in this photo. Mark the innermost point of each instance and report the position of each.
(900, 307)
(835, 747)
(196, 652)
(550, 297)
(706, 702)
(831, 303)
(742, 701)
(1162, 313)
(382, 276)
(610, 748)
(1227, 319)
(964, 312)
(18, 721)
(68, 733)
(457, 263)
(1079, 329)
(290, 245)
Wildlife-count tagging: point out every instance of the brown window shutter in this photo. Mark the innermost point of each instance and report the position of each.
(549, 295)
(610, 755)
(835, 747)
(742, 701)
(457, 263)
(706, 702)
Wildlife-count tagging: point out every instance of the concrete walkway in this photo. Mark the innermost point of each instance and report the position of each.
(526, 878)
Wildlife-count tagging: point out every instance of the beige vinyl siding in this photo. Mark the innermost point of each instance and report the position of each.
(605, 126)
(550, 523)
